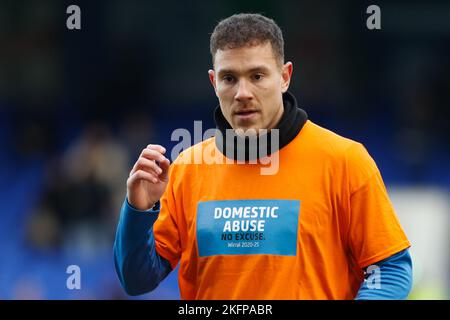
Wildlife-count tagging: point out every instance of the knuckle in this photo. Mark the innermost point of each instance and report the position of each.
(148, 153)
(145, 163)
(137, 165)
(130, 181)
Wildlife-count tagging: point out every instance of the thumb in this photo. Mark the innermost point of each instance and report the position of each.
(164, 165)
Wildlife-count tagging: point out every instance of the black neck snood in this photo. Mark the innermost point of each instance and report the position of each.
(289, 126)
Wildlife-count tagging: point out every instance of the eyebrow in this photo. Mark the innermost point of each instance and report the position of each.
(263, 69)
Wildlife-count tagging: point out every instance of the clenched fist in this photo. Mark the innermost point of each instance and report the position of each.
(149, 177)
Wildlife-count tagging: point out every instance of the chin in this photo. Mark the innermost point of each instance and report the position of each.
(247, 130)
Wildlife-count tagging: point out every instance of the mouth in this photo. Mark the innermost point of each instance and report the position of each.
(246, 114)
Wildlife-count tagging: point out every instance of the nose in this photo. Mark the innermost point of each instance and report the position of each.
(243, 92)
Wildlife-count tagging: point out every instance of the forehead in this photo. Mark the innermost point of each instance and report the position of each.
(245, 58)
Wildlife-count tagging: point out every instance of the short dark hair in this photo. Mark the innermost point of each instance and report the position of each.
(247, 29)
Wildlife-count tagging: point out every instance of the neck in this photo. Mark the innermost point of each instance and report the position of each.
(289, 123)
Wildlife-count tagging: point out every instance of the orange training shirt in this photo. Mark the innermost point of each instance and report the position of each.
(305, 232)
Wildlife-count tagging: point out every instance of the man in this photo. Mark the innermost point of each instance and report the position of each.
(310, 230)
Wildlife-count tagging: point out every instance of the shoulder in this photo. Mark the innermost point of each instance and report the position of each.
(327, 146)
(346, 160)
(327, 142)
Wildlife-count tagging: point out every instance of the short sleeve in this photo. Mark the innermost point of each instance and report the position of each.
(165, 229)
(374, 231)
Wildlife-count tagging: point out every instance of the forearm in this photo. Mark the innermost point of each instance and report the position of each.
(138, 265)
(393, 279)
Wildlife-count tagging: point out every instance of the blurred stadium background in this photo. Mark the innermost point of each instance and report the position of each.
(76, 108)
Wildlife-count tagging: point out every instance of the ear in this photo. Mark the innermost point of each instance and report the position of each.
(286, 74)
(212, 79)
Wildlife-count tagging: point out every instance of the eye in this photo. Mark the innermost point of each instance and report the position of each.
(258, 76)
(228, 78)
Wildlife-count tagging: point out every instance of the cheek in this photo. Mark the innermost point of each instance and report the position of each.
(270, 87)
(225, 93)
(224, 99)
(270, 102)
(225, 105)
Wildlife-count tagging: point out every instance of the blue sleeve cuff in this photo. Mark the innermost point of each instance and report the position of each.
(139, 267)
(389, 279)
(130, 208)
(135, 222)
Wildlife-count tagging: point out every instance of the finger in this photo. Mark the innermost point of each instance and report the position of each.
(142, 175)
(146, 165)
(164, 165)
(151, 154)
(157, 147)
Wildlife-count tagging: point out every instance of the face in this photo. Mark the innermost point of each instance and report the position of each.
(249, 83)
